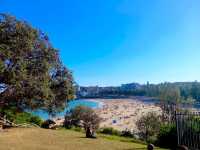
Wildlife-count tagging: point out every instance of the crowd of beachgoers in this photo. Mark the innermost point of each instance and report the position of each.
(122, 114)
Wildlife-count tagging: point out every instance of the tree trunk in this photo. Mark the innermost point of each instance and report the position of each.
(1, 127)
(89, 133)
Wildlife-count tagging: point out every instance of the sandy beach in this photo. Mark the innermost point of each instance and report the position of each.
(122, 114)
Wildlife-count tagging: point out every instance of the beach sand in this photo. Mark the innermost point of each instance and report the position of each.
(122, 114)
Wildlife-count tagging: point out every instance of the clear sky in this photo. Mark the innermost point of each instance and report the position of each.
(109, 42)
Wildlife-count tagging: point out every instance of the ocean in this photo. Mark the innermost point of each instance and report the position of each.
(72, 104)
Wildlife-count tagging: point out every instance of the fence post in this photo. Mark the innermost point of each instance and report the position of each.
(188, 129)
(177, 130)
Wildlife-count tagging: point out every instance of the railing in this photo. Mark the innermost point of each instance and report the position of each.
(188, 129)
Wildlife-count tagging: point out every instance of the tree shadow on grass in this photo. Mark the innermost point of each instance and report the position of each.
(135, 149)
(83, 137)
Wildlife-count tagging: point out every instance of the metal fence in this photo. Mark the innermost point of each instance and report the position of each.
(188, 129)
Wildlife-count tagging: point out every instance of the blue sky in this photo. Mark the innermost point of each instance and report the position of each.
(109, 42)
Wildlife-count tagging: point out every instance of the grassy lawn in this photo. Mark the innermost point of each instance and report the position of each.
(41, 139)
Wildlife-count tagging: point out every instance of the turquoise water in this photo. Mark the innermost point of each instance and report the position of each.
(71, 105)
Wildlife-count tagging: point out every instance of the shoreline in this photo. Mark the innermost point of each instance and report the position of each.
(120, 114)
(100, 104)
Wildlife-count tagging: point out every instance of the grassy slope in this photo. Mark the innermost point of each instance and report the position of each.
(41, 139)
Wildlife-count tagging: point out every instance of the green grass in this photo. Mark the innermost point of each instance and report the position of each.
(43, 139)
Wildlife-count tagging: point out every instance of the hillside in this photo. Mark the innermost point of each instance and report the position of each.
(41, 139)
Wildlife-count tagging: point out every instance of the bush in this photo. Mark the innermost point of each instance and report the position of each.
(149, 126)
(110, 131)
(23, 117)
(167, 136)
(20, 117)
(193, 124)
(127, 133)
(9, 113)
(78, 129)
(48, 124)
(152, 139)
(84, 117)
(69, 122)
(36, 120)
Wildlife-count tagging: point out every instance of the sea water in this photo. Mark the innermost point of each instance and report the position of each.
(71, 105)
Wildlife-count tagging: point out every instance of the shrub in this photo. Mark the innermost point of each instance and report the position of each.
(167, 136)
(36, 120)
(84, 117)
(23, 117)
(110, 131)
(20, 117)
(127, 133)
(149, 126)
(193, 124)
(70, 122)
(9, 113)
(47, 124)
(152, 139)
(78, 129)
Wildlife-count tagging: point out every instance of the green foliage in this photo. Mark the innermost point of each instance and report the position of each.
(127, 133)
(84, 117)
(21, 117)
(78, 129)
(9, 113)
(36, 120)
(167, 136)
(195, 124)
(31, 73)
(70, 122)
(191, 124)
(110, 131)
(25, 117)
(169, 93)
(87, 116)
(149, 126)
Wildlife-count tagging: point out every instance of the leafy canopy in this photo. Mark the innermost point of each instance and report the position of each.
(85, 117)
(31, 73)
(149, 125)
